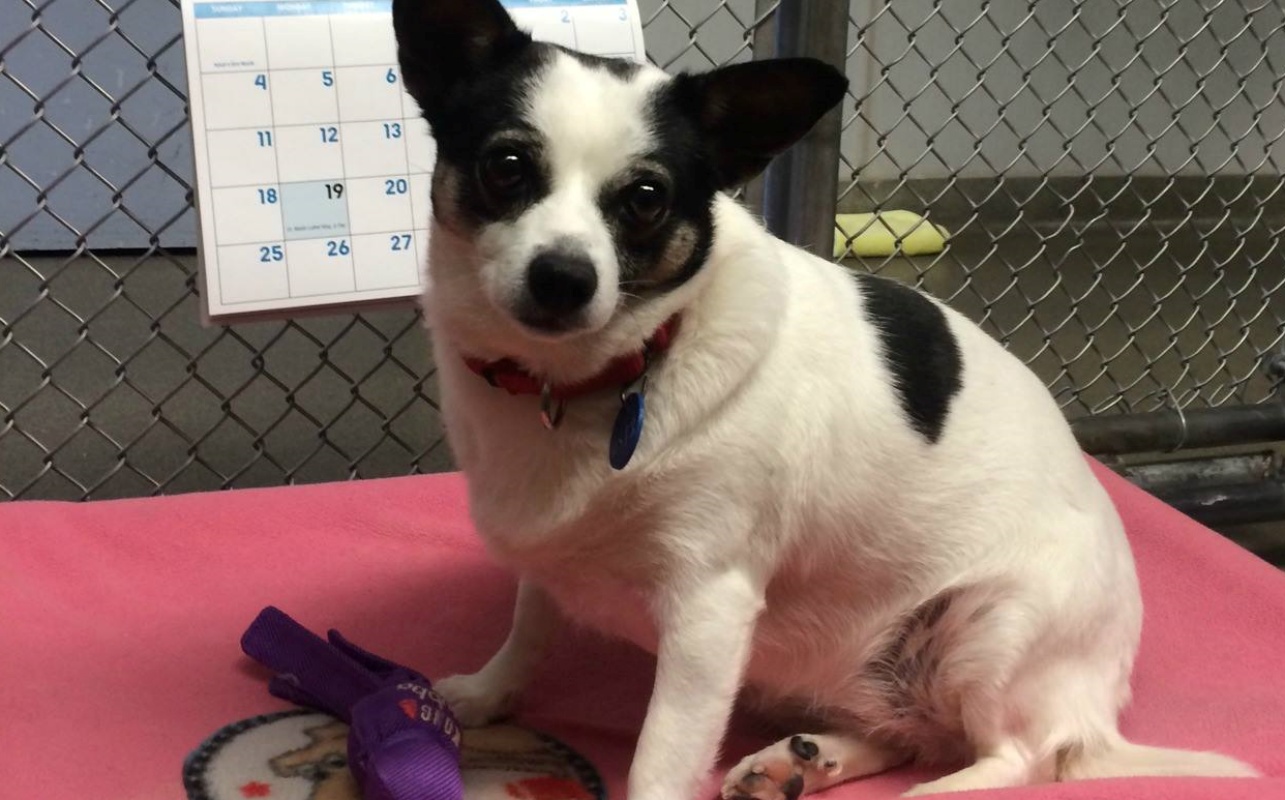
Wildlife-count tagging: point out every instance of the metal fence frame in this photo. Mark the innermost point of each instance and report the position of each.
(353, 396)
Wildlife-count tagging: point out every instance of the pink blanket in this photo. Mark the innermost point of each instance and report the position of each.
(119, 624)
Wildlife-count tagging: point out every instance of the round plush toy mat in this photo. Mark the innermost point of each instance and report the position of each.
(302, 755)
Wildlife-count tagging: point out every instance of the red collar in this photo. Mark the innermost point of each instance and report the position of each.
(508, 375)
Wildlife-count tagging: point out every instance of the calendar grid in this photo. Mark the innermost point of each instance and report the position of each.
(313, 125)
(385, 232)
(271, 88)
(347, 195)
(419, 221)
(242, 71)
(313, 200)
(406, 134)
(341, 239)
(339, 80)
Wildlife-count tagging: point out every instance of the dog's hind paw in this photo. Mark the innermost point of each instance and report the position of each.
(782, 771)
(802, 765)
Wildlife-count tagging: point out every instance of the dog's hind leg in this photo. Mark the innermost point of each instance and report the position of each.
(805, 764)
(1005, 766)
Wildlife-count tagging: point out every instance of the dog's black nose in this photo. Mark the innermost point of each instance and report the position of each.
(561, 283)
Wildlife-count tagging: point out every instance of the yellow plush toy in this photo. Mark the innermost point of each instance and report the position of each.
(879, 234)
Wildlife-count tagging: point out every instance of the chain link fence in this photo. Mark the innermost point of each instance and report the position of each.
(109, 384)
(1108, 172)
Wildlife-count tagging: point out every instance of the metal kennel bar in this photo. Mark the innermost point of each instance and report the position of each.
(800, 186)
(1168, 431)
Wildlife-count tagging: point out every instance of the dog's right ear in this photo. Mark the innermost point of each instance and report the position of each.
(441, 43)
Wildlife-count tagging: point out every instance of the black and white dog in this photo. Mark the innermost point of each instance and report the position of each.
(828, 490)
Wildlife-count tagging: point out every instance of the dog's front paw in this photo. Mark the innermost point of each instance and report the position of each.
(476, 700)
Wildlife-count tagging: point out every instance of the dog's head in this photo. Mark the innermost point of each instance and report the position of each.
(578, 190)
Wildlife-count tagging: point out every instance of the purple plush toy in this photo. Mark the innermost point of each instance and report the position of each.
(403, 740)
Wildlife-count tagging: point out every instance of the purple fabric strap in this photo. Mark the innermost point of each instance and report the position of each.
(403, 740)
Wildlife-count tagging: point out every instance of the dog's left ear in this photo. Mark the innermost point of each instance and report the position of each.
(443, 43)
(749, 113)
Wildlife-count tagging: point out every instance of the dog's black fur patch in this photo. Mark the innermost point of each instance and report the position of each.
(650, 264)
(489, 105)
(469, 68)
(714, 131)
(919, 349)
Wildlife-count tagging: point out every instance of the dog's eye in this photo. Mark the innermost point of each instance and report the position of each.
(645, 203)
(505, 171)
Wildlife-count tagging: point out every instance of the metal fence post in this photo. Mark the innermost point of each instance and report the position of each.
(800, 187)
(763, 46)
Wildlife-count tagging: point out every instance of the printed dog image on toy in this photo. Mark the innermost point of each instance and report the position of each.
(839, 492)
(324, 762)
